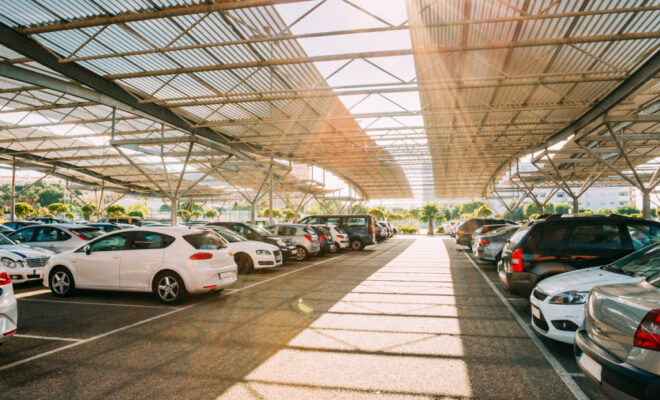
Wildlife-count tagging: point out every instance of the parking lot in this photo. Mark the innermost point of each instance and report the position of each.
(413, 317)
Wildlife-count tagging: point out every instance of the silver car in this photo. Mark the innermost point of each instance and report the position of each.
(302, 236)
(619, 344)
(55, 237)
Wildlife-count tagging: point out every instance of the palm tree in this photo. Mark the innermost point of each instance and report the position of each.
(430, 213)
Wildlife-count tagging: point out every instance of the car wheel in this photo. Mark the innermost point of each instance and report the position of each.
(245, 264)
(301, 253)
(334, 248)
(169, 287)
(61, 282)
(498, 258)
(356, 244)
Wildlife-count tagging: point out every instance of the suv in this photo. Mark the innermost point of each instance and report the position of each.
(360, 228)
(558, 244)
(466, 229)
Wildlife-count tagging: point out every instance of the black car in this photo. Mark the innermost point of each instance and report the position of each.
(557, 244)
(466, 228)
(253, 232)
(325, 237)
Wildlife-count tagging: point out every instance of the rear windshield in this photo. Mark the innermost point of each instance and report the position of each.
(323, 230)
(308, 229)
(89, 232)
(204, 241)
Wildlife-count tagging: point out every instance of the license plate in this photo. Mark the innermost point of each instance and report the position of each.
(591, 366)
(226, 275)
(536, 312)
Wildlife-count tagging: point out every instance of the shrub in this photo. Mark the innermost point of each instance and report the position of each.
(408, 229)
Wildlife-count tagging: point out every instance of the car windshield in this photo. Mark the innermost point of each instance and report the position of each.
(204, 241)
(643, 262)
(260, 230)
(231, 237)
(4, 240)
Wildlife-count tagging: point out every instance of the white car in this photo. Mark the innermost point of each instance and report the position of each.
(169, 262)
(23, 263)
(55, 237)
(8, 309)
(339, 239)
(249, 254)
(558, 302)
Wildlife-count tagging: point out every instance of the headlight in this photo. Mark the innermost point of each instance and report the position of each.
(571, 297)
(8, 262)
(263, 252)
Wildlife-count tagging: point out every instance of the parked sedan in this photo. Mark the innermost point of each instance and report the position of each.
(618, 347)
(557, 303)
(55, 237)
(302, 236)
(23, 263)
(253, 232)
(489, 246)
(8, 307)
(169, 262)
(249, 254)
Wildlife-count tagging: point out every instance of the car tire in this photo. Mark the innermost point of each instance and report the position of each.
(301, 253)
(244, 263)
(356, 244)
(169, 287)
(334, 248)
(61, 282)
(498, 258)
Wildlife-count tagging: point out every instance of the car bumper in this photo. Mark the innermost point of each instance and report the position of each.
(8, 317)
(344, 244)
(21, 275)
(520, 283)
(208, 279)
(464, 240)
(552, 316)
(268, 261)
(618, 380)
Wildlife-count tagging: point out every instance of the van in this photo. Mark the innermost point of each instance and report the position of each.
(361, 228)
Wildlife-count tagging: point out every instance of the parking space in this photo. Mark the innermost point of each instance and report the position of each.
(419, 315)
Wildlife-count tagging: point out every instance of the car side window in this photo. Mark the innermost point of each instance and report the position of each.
(355, 221)
(333, 221)
(24, 235)
(111, 243)
(272, 229)
(47, 234)
(239, 228)
(596, 236)
(311, 220)
(642, 234)
(150, 240)
(288, 230)
(547, 236)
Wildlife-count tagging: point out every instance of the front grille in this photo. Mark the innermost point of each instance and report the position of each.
(36, 262)
(565, 325)
(539, 295)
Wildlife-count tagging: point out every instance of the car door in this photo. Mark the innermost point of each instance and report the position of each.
(143, 256)
(47, 237)
(98, 267)
(595, 243)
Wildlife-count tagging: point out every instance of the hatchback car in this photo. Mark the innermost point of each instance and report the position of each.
(8, 307)
(249, 254)
(302, 236)
(558, 244)
(618, 346)
(488, 246)
(55, 237)
(169, 262)
(253, 232)
(557, 303)
(339, 237)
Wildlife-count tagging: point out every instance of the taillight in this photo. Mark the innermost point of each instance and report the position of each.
(308, 237)
(4, 279)
(78, 234)
(484, 243)
(460, 232)
(648, 332)
(484, 229)
(516, 260)
(201, 256)
(9, 333)
(323, 237)
(371, 228)
(341, 236)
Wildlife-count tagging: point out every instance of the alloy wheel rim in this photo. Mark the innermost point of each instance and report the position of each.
(168, 288)
(60, 282)
(300, 254)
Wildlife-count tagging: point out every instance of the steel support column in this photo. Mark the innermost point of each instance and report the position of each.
(13, 190)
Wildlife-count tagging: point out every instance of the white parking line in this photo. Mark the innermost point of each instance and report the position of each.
(176, 310)
(23, 295)
(561, 371)
(18, 335)
(98, 304)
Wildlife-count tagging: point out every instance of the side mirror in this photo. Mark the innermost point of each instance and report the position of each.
(17, 241)
(87, 250)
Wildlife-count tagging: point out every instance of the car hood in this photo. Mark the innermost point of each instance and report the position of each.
(27, 251)
(251, 245)
(583, 280)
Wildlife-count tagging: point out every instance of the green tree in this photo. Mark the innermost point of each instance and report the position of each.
(431, 212)
(377, 213)
(276, 213)
(57, 208)
(184, 214)
(604, 210)
(69, 216)
(87, 211)
(288, 214)
(483, 211)
(563, 208)
(196, 214)
(136, 213)
(138, 210)
(22, 210)
(115, 210)
(211, 213)
(165, 208)
(531, 208)
(51, 195)
(471, 206)
(358, 209)
(627, 210)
